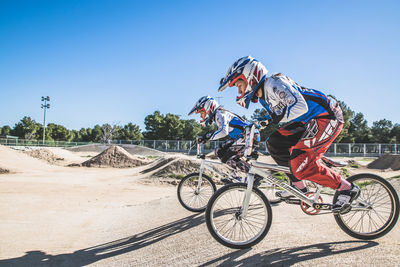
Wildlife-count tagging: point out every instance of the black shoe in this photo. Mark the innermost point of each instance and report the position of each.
(345, 198)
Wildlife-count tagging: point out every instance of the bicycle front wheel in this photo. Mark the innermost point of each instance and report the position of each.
(194, 196)
(375, 212)
(229, 226)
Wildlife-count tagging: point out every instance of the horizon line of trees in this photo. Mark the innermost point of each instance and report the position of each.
(170, 127)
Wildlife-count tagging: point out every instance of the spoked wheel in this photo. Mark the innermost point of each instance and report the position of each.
(191, 195)
(229, 226)
(269, 191)
(374, 213)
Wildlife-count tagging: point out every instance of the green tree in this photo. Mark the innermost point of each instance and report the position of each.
(160, 127)
(359, 129)
(27, 128)
(84, 135)
(345, 136)
(96, 133)
(153, 124)
(381, 131)
(58, 132)
(395, 133)
(130, 132)
(5, 130)
(77, 136)
(172, 127)
(191, 129)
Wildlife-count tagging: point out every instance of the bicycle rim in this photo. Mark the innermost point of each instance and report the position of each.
(226, 223)
(374, 212)
(192, 197)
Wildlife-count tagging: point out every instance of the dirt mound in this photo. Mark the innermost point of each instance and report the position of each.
(43, 154)
(158, 164)
(116, 157)
(183, 165)
(385, 162)
(133, 149)
(179, 167)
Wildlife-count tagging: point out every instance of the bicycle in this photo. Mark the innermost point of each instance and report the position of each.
(195, 189)
(240, 216)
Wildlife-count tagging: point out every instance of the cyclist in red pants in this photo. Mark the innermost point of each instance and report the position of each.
(313, 122)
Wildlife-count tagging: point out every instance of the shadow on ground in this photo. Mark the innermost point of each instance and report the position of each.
(107, 250)
(93, 254)
(290, 256)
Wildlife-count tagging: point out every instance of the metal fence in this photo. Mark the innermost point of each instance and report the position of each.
(340, 149)
(24, 142)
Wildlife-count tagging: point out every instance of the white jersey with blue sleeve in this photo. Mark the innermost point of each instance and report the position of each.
(228, 124)
(286, 101)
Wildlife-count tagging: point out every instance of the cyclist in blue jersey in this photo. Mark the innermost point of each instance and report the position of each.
(313, 121)
(229, 125)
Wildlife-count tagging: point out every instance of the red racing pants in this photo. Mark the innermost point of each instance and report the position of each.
(300, 146)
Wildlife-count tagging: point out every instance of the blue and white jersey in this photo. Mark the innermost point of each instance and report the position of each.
(286, 101)
(228, 124)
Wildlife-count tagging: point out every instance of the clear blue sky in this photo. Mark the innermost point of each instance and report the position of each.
(118, 61)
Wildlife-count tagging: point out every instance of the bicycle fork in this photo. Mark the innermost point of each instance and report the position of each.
(200, 177)
(246, 200)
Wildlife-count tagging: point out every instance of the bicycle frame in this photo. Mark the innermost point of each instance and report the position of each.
(257, 168)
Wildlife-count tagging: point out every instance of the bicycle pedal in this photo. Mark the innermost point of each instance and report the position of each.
(295, 201)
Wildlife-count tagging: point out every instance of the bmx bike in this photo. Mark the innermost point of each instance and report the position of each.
(195, 189)
(239, 215)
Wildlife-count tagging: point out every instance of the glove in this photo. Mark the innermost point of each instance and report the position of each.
(203, 139)
(264, 121)
(263, 124)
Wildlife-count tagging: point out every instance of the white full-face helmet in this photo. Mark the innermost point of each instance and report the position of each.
(208, 104)
(251, 72)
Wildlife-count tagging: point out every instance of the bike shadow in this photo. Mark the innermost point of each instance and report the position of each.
(290, 256)
(117, 247)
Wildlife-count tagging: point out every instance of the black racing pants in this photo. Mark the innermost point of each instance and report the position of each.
(282, 140)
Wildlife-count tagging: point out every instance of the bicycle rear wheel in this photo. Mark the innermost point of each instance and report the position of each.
(227, 224)
(192, 197)
(374, 213)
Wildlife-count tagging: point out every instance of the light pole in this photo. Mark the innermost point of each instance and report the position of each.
(44, 107)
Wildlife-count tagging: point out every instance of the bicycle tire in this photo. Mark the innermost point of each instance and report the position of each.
(196, 197)
(368, 183)
(257, 198)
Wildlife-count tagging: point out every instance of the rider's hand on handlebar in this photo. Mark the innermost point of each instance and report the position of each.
(203, 139)
(262, 124)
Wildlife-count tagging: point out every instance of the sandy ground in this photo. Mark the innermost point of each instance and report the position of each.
(52, 215)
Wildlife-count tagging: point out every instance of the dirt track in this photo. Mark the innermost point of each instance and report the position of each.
(57, 216)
